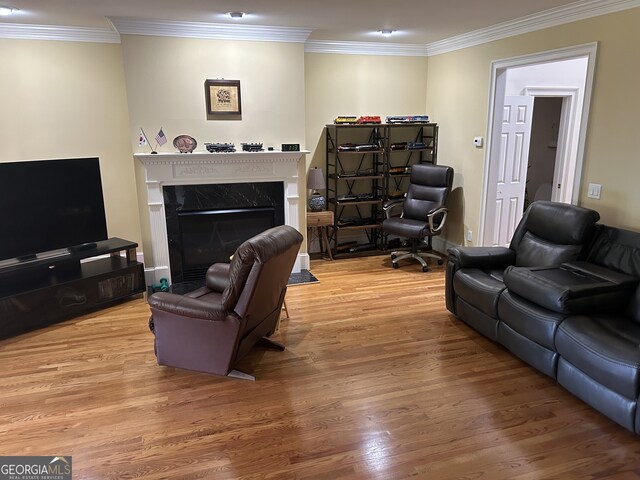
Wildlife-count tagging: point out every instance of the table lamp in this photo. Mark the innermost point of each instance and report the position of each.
(315, 181)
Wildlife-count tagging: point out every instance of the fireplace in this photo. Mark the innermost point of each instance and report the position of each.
(207, 223)
(237, 173)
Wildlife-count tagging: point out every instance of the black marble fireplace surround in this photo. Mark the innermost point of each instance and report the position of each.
(206, 223)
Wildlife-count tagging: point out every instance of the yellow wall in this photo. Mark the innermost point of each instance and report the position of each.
(457, 98)
(359, 85)
(67, 99)
(165, 86)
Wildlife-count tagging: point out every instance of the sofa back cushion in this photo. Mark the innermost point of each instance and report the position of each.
(536, 251)
(551, 233)
(619, 250)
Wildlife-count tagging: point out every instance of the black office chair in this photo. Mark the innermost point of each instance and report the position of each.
(424, 211)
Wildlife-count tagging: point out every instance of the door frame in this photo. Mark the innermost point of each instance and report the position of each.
(496, 98)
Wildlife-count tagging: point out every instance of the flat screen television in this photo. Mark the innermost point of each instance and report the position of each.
(50, 205)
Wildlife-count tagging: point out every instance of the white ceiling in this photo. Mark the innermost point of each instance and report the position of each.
(419, 22)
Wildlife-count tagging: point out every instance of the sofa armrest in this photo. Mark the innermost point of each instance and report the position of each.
(482, 257)
(183, 306)
(572, 288)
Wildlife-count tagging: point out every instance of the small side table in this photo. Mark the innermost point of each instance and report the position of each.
(320, 220)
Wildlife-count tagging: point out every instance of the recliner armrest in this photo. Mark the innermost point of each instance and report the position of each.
(482, 257)
(572, 288)
(186, 306)
(217, 278)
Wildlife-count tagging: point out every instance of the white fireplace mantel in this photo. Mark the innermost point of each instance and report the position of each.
(210, 168)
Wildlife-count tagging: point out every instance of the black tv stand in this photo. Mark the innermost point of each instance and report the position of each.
(43, 290)
(83, 246)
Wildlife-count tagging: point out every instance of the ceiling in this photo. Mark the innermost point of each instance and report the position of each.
(414, 21)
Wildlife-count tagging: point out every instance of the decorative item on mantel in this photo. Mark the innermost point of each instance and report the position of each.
(315, 182)
(185, 143)
(161, 139)
(220, 147)
(143, 141)
(251, 147)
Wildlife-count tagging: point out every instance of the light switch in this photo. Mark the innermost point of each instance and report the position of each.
(594, 190)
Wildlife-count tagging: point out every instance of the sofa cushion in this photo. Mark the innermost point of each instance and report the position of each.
(617, 407)
(486, 325)
(534, 322)
(604, 347)
(480, 289)
(576, 287)
(539, 357)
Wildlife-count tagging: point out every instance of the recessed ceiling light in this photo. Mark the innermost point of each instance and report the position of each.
(386, 32)
(4, 11)
(236, 15)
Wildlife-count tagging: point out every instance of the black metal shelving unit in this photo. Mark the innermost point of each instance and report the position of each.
(366, 166)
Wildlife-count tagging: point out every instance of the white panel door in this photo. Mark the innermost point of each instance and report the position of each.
(515, 135)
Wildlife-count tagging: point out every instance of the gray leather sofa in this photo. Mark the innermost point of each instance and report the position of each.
(565, 298)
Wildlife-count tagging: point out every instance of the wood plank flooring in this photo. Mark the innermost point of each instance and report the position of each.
(378, 381)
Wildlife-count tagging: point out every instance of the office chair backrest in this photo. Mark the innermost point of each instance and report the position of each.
(429, 187)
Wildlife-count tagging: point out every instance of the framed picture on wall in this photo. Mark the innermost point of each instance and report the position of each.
(223, 97)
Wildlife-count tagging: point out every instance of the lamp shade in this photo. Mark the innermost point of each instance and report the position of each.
(315, 179)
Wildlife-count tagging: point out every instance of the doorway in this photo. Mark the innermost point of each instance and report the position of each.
(543, 147)
(565, 74)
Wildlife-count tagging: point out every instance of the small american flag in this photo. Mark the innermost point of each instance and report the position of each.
(161, 138)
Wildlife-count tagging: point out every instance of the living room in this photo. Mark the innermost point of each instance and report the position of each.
(68, 99)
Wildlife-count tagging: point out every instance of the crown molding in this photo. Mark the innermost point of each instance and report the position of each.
(572, 12)
(217, 31)
(24, 31)
(365, 48)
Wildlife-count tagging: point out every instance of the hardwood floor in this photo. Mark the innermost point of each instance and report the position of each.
(378, 381)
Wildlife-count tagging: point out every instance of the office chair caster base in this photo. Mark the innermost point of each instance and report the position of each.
(394, 264)
(440, 262)
(425, 269)
(393, 256)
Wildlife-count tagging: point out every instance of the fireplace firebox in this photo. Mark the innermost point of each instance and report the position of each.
(207, 223)
(211, 236)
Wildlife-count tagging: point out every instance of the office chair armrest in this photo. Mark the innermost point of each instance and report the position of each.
(389, 206)
(431, 215)
(164, 302)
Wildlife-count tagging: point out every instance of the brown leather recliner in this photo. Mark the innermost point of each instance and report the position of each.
(212, 328)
